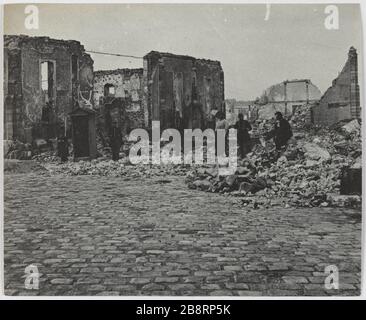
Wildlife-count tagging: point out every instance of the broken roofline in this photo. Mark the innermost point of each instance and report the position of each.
(352, 51)
(118, 71)
(26, 38)
(16, 42)
(292, 101)
(178, 56)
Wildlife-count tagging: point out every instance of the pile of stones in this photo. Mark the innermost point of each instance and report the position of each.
(121, 168)
(306, 174)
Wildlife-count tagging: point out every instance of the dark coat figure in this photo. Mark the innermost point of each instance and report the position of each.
(282, 131)
(63, 148)
(47, 119)
(115, 141)
(244, 142)
(211, 123)
(221, 124)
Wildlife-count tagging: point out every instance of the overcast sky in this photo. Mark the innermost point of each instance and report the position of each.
(254, 53)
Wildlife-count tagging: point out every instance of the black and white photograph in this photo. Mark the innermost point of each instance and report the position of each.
(182, 149)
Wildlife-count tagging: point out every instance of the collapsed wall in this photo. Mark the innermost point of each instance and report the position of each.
(182, 91)
(342, 100)
(118, 97)
(286, 97)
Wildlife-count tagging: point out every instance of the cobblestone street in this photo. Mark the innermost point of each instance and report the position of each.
(93, 235)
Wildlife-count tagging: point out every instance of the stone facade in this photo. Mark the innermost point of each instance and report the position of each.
(182, 91)
(342, 100)
(44, 78)
(248, 109)
(119, 89)
(286, 97)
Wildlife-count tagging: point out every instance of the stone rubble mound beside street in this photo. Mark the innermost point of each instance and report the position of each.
(120, 168)
(306, 174)
(15, 166)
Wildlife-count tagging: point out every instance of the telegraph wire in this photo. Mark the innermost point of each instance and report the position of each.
(114, 54)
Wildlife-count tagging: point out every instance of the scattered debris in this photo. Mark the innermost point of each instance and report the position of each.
(348, 201)
(14, 166)
(315, 152)
(353, 126)
(48, 156)
(301, 176)
(14, 149)
(120, 168)
(312, 171)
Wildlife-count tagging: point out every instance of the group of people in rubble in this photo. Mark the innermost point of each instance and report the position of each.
(280, 133)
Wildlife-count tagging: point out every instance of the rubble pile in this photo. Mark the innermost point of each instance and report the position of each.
(48, 156)
(14, 149)
(40, 150)
(306, 174)
(121, 168)
(15, 166)
(300, 118)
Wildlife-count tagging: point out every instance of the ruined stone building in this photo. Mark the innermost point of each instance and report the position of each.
(182, 91)
(286, 97)
(43, 80)
(179, 91)
(118, 97)
(342, 100)
(248, 108)
(46, 80)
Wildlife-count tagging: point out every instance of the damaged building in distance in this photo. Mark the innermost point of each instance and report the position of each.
(182, 91)
(342, 100)
(286, 97)
(43, 80)
(118, 97)
(179, 91)
(247, 108)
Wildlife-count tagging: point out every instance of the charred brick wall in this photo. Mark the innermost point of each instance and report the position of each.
(341, 100)
(46, 77)
(181, 91)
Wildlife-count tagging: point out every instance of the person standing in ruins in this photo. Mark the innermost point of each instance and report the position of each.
(211, 121)
(282, 131)
(220, 121)
(63, 148)
(115, 140)
(220, 124)
(244, 142)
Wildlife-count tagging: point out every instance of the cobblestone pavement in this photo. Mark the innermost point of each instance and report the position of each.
(112, 236)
